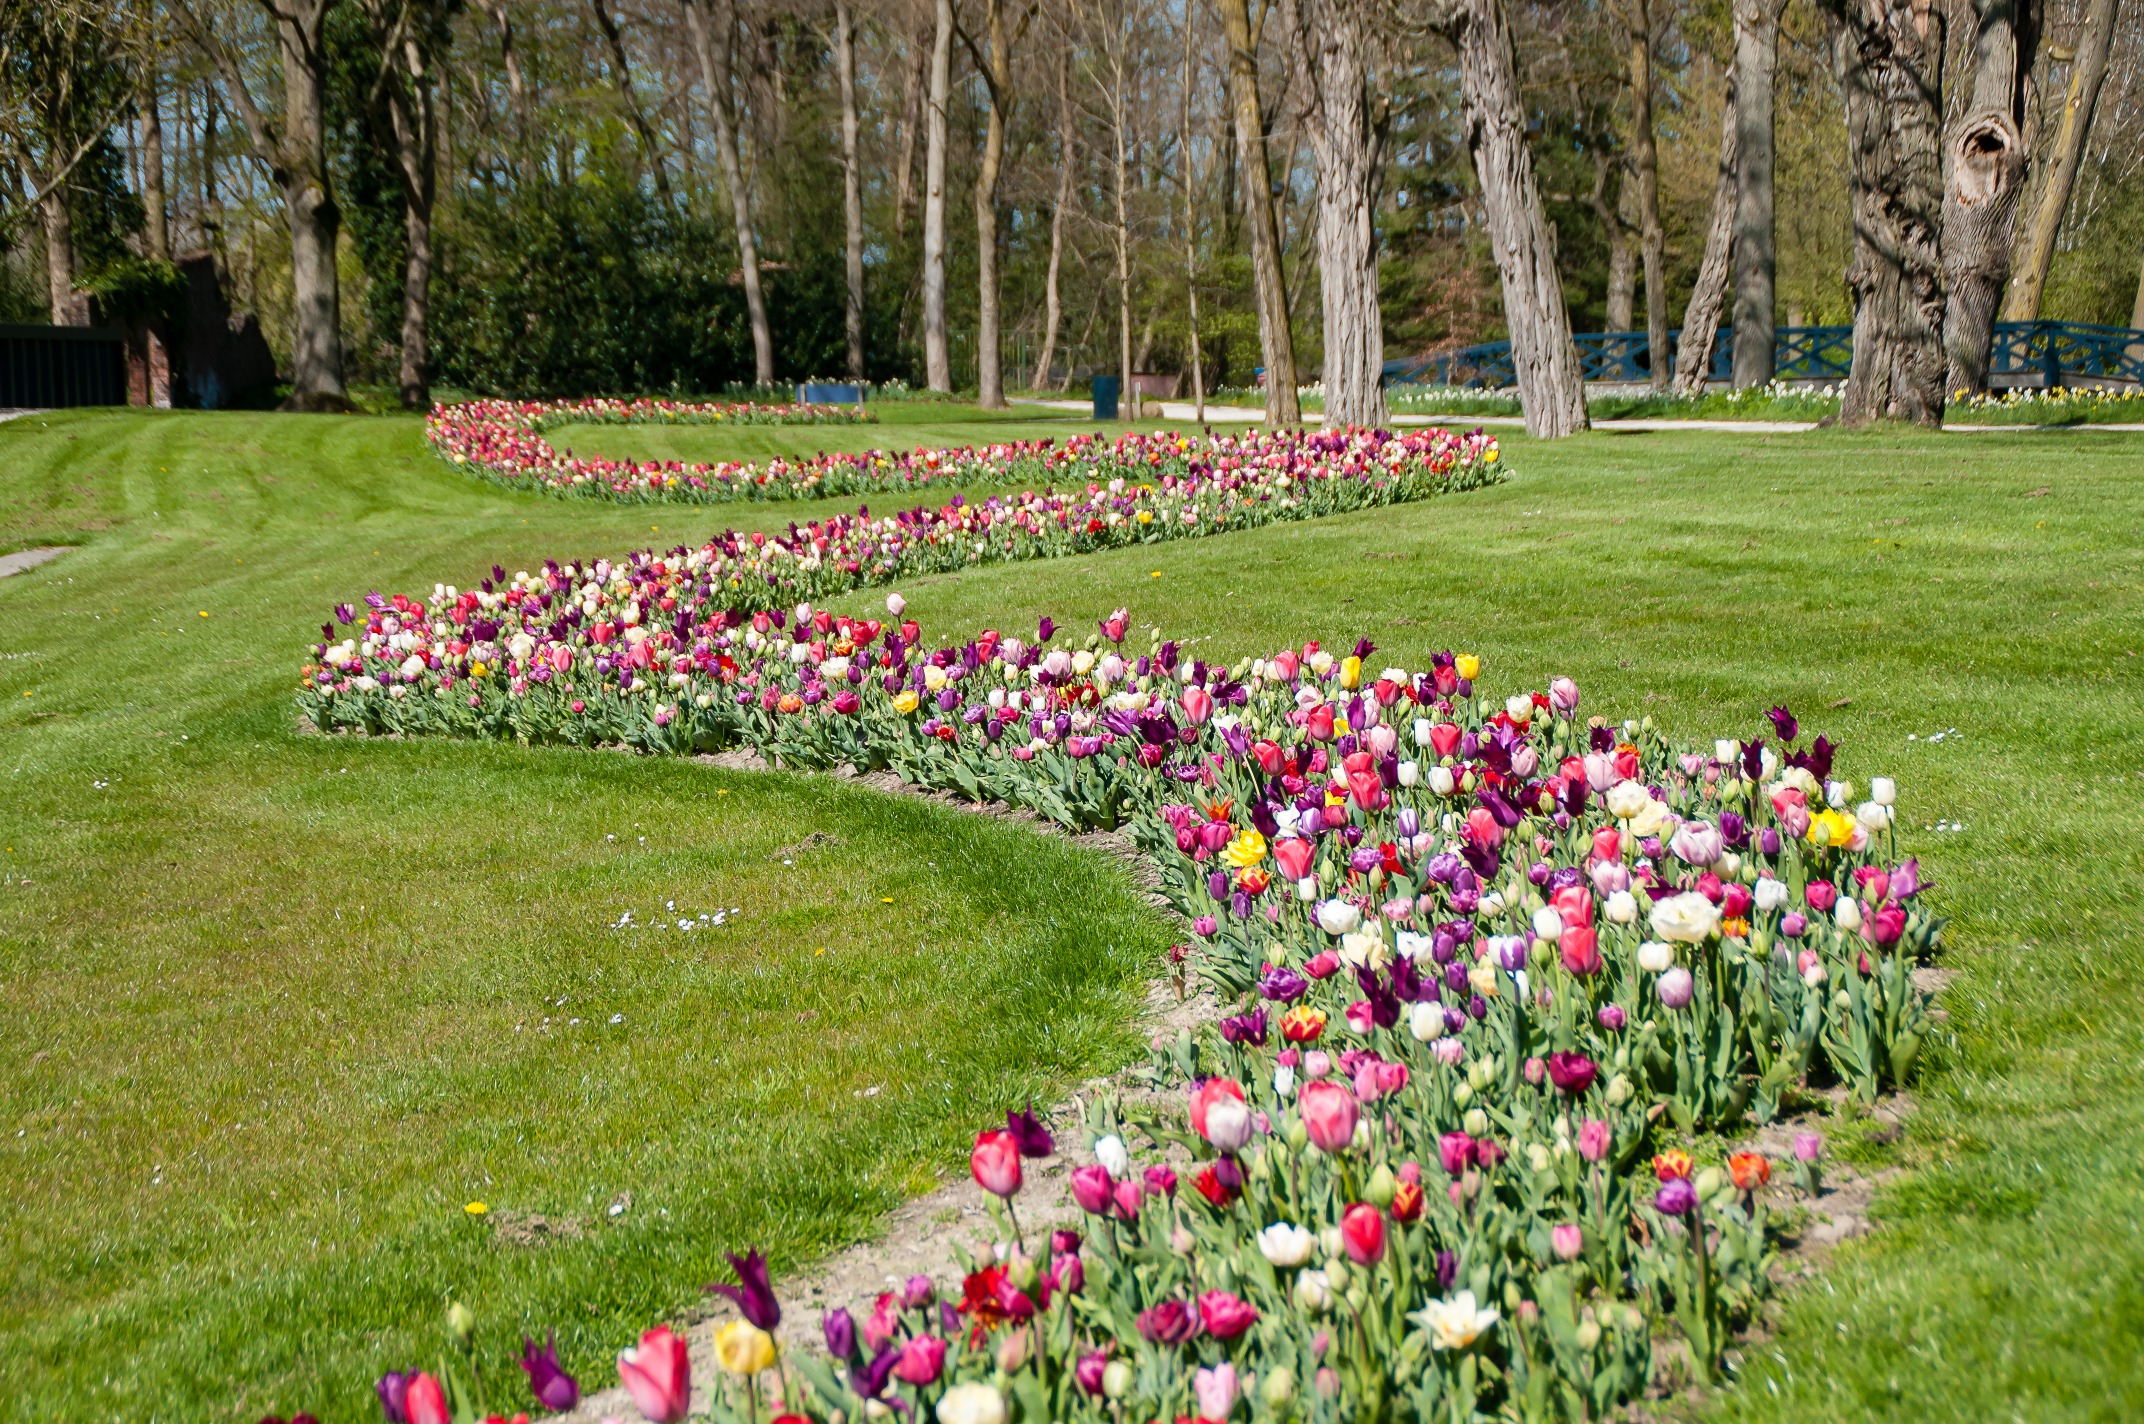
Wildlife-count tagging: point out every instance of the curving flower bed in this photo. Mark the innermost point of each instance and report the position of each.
(1490, 977)
(504, 441)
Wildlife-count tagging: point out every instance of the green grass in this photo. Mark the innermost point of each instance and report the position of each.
(176, 989)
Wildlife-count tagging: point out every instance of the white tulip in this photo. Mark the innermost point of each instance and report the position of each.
(1688, 918)
(1883, 791)
(1727, 751)
(1442, 781)
(1655, 957)
(1848, 914)
(896, 605)
(1621, 908)
(1338, 917)
(1115, 1157)
(1410, 944)
(1873, 815)
(1410, 774)
(1426, 1022)
(1421, 731)
(1769, 893)
(1286, 1244)
(1313, 1292)
(971, 1403)
(1627, 798)
(1547, 924)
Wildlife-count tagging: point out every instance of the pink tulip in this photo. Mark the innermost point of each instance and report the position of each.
(1567, 1240)
(1198, 705)
(1294, 856)
(921, 1360)
(1329, 1113)
(1092, 1189)
(658, 1374)
(996, 1162)
(1594, 1139)
(1215, 1389)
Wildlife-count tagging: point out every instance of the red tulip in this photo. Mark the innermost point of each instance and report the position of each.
(427, 1402)
(996, 1162)
(1207, 1094)
(1270, 758)
(658, 1374)
(1329, 1113)
(1366, 788)
(1319, 724)
(1581, 951)
(1444, 738)
(1362, 1232)
(1295, 855)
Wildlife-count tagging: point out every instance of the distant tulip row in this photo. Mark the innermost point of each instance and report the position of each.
(1481, 962)
(504, 441)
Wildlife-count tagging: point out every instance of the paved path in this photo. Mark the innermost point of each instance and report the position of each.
(24, 560)
(1232, 414)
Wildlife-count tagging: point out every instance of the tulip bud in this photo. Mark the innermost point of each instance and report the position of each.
(1278, 1387)
(1475, 1123)
(1381, 1187)
(1116, 1380)
(1708, 1181)
(1589, 1333)
(461, 1324)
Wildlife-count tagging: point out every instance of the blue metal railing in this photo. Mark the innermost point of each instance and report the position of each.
(2054, 352)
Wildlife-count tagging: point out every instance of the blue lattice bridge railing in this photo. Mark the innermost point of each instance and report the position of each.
(2048, 353)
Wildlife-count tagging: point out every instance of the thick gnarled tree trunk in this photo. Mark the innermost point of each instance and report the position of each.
(1755, 249)
(1988, 162)
(1276, 340)
(1346, 121)
(1889, 55)
(1701, 319)
(1551, 386)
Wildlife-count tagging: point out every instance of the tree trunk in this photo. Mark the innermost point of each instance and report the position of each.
(1622, 257)
(712, 35)
(1052, 294)
(1755, 249)
(1890, 66)
(156, 226)
(1988, 163)
(1347, 133)
(416, 385)
(1127, 390)
(937, 361)
(510, 59)
(989, 377)
(1701, 319)
(1551, 389)
(67, 309)
(2136, 311)
(904, 164)
(2087, 72)
(1276, 340)
(852, 190)
(1645, 158)
(1191, 250)
(315, 221)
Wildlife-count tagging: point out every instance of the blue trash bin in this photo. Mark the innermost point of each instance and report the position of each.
(833, 393)
(1106, 391)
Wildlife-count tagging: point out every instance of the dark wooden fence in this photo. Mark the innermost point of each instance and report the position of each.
(46, 366)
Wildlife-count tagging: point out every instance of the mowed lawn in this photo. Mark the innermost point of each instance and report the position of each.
(272, 1008)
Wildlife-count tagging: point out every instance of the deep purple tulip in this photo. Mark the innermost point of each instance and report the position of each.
(394, 1396)
(1572, 1073)
(1169, 1323)
(1245, 1028)
(1675, 1198)
(554, 1389)
(870, 1379)
(1447, 1270)
(1768, 841)
(753, 1295)
(1784, 724)
(1028, 1133)
(839, 1328)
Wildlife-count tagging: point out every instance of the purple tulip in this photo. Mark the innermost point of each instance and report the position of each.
(1676, 988)
(394, 1396)
(753, 1295)
(1675, 1198)
(1028, 1133)
(554, 1389)
(1572, 1073)
(1784, 724)
(918, 1291)
(1808, 1146)
(1768, 841)
(839, 1328)
(1612, 1017)
(1282, 985)
(1089, 1370)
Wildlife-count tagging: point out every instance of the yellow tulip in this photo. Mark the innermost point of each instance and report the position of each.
(1351, 673)
(744, 1348)
(1467, 665)
(904, 701)
(1245, 851)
